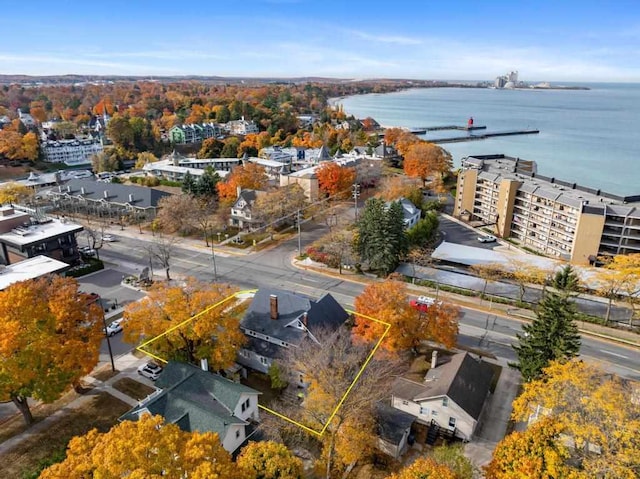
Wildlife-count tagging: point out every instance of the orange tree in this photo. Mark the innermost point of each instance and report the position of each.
(50, 340)
(250, 176)
(145, 448)
(388, 301)
(423, 159)
(214, 334)
(335, 180)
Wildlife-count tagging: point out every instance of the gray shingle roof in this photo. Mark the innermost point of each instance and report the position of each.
(142, 197)
(392, 423)
(195, 400)
(323, 313)
(464, 380)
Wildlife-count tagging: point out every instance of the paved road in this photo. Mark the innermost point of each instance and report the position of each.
(273, 268)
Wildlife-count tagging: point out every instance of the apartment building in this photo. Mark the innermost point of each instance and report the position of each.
(71, 152)
(551, 216)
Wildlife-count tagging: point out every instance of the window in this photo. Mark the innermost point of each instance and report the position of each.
(452, 422)
(445, 402)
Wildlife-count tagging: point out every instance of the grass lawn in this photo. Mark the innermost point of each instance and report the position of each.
(133, 388)
(27, 459)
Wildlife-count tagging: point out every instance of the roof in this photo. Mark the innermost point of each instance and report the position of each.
(463, 379)
(392, 423)
(143, 197)
(194, 399)
(29, 269)
(323, 313)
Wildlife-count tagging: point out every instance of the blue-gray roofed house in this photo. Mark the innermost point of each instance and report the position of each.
(198, 400)
(278, 319)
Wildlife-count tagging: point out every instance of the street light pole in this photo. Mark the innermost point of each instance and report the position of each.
(106, 334)
(213, 257)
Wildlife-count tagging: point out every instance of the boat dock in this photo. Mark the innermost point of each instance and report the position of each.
(482, 136)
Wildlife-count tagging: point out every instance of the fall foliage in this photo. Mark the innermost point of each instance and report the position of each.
(51, 338)
(422, 160)
(250, 176)
(388, 302)
(335, 180)
(425, 468)
(594, 413)
(144, 449)
(269, 460)
(214, 335)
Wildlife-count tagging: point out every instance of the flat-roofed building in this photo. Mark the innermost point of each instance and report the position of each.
(548, 215)
(23, 237)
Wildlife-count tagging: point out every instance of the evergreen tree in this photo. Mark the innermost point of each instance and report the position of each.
(566, 280)
(553, 335)
(381, 236)
(188, 184)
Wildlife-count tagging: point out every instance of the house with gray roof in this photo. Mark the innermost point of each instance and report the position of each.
(111, 200)
(198, 400)
(452, 395)
(277, 320)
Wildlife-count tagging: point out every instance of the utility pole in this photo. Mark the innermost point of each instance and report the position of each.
(299, 234)
(356, 194)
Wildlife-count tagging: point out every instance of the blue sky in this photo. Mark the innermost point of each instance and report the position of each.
(424, 39)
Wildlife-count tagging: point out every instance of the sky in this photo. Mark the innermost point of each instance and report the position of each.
(565, 40)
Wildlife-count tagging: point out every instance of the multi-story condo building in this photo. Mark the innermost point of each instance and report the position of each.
(551, 216)
(194, 133)
(71, 152)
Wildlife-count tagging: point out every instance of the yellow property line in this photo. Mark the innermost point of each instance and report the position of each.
(271, 411)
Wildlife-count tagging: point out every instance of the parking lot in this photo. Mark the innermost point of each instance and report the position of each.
(456, 233)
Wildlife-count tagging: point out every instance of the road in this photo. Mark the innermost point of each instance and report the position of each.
(273, 268)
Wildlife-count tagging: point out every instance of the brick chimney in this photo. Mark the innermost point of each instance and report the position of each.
(273, 306)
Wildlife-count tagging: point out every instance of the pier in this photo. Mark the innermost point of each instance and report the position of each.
(483, 136)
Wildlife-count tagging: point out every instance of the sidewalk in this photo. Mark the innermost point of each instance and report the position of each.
(126, 365)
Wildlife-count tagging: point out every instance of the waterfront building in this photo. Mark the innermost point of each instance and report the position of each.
(71, 152)
(548, 215)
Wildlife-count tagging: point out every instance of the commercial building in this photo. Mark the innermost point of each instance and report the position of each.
(22, 237)
(551, 216)
(71, 152)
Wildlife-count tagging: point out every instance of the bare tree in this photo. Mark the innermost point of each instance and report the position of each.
(162, 249)
(330, 368)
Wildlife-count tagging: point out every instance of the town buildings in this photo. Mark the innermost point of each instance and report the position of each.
(548, 215)
(197, 400)
(22, 237)
(71, 152)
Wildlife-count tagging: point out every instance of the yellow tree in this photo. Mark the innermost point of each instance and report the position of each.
(14, 193)
(423, 160)
(536, 452)
(214, 334)
(597, 413)
(388, 301)
(146, 448)
(425, 468)
(269, 460)
(51, 339)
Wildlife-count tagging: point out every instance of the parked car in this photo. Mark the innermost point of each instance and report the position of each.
(115, 327)
(422, 303)
(487, 238)
(108, 238)
(150, 370)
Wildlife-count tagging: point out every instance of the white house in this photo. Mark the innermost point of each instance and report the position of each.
(197, 400)
(451, 396)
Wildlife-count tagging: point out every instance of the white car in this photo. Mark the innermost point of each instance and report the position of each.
(487, 238)
(150, 370)
(115, 327)
(109, 238)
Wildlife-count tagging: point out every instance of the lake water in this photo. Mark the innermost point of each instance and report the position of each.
(590, 137)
